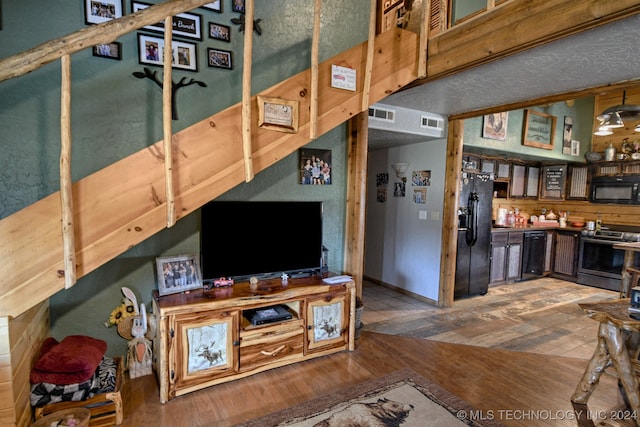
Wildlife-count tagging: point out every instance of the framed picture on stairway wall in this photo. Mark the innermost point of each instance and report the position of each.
(151, 51)
(216, 6)
(99, 11)
(237, 6)
(185, 24)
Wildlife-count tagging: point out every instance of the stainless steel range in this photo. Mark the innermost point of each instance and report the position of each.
(599, 264)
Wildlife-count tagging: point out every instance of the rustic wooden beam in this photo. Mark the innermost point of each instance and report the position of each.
(167, 89)
(358, 151)
(66, 190)
(247, 149)
(490, 35)
(106, 32)
(315, 47)
(423, 38)
(370, 46)
(449, 220)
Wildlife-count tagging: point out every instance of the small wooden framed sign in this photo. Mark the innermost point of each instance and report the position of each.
(278, 114)
(539, 129)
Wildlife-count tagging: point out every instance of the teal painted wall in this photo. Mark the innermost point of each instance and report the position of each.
(114, 114)
(581, 112)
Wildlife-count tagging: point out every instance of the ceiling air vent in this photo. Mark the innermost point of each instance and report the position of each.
(382, 114)
(431, 123)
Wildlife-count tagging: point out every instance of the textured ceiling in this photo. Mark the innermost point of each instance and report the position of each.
(605, 55)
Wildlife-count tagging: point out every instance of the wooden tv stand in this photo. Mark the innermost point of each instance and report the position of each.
(203, 337)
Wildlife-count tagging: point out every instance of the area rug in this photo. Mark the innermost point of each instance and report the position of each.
(403, 398)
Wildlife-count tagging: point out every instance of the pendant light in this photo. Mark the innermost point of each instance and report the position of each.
(612, 121)
(611, 118)
(604, 131)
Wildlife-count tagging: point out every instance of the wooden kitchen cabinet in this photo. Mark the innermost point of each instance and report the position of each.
(578, 182)
(548, 251)
(506, 256)
(518, 181)
(503, 171)
(565, 264)
(205, 338)
(524, 181)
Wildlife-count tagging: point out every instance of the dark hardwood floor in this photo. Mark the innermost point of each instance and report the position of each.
(502, 374)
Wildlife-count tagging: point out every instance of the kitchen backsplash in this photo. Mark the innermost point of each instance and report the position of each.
(611, 214)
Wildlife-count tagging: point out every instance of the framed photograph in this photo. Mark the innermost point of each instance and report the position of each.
(237, 6)
(188, 25)
(538, 130)
(216, 6)
(219, 58)
(421, 178)
(151, 51)
(315, 166)
(567, 135)
(99, 11)
(278, 114)
(178, 274)
(219, 32)
(111, 50)
(399, 189)
(575, 147)
(494, 126)
(420, 195)
(382, 180)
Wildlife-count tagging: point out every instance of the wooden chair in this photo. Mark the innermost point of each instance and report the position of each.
(625, 291)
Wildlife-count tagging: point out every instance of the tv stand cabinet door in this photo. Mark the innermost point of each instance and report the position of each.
(204, 349)
(328, 319)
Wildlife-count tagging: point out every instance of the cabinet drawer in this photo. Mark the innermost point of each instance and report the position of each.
(499, 238)
(270, 344)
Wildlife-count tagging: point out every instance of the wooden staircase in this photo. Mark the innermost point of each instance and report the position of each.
(124, 203)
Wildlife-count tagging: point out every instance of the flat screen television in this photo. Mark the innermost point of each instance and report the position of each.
(262, 239)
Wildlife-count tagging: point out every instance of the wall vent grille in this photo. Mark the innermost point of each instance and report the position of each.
(431, 123)
(382, 114)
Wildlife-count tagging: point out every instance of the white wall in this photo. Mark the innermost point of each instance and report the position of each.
(401, 249)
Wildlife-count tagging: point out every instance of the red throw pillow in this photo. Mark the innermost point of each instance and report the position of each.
(75, 353)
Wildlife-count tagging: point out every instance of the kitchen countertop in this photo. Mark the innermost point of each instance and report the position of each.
(529, 227)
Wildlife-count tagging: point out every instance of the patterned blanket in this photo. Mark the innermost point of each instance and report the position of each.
(102, 381)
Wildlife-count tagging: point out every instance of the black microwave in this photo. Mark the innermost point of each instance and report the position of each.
(622, 189)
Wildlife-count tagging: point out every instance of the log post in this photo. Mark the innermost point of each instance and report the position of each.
(66, 192)
(358, 152)
(368, 69)
(247, 150)
(423, 40)
(315, 42)
(166, 121)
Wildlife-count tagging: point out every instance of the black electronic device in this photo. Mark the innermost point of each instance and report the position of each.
(239, 240)
(271, 314)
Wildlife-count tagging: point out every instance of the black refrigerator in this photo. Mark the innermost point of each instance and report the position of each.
(474, 236)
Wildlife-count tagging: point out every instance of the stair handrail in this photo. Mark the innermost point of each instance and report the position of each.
(106, 32)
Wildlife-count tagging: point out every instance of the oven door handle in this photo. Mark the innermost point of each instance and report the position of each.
(600, 241)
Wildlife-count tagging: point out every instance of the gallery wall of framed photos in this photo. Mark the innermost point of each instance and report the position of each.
(189, 30)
